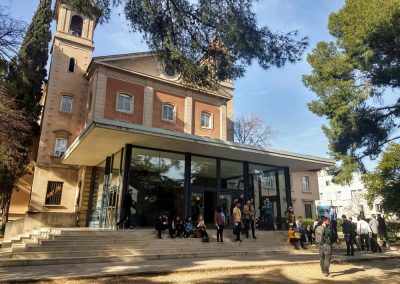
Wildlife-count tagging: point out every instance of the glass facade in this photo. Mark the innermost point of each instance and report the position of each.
(181, 184)
(156, 180)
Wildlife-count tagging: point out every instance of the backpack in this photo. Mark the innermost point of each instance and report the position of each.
(319, 233)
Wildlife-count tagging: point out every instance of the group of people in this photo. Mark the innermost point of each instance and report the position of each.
(363, 234)
(244, 218)
(179, 228)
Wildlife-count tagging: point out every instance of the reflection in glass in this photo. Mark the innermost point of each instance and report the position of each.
(196, 205)
(232, 175)
(204, 172)
(157, 184)
(225, 201)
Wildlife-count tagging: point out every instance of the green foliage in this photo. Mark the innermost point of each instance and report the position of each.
(384, 181)
(204, 41)
(307, 221)
(393, 231)
(29, 71)
(352, 78)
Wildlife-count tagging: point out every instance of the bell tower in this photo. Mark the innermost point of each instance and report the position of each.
(55, 186)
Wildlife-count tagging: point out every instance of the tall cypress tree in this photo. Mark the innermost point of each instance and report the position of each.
(23, 86)
(32, 59)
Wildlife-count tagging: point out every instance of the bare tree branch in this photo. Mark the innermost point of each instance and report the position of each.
(252, 130)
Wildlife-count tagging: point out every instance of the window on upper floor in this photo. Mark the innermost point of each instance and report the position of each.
(338, 195)
(168, 112)
(321, 196)
(60, 147)
(305, 184)
(124, 103)
(378, 208)
(66, 103)
(76, 25)
(53, 193)
(353, 194)
(327, 183)
(206, 119)
(71, 66)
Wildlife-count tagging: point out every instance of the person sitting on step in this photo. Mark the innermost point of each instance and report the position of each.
(201, 226)
(188, 226)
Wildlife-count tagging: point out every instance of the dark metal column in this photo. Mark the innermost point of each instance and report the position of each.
(187, 192)
(246, 181)
(278, 203)
(288, 187)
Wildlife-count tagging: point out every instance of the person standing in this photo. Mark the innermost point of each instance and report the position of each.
(126, 211)
(355, 235)
(299, 228)
(269, 215)
(333, 218)
(373, 224)
(219, 220)
(382, 229)
(324, 239)
(363, 230)
(347, 229)
(249, 218)
(237, 219)
(290, 218)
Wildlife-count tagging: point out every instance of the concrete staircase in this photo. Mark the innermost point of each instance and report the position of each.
(83, 245)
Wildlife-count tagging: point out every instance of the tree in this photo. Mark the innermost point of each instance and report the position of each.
(21, 84)
(252, 130)
(11, 33)
(356, 80)
(15, 130)
(384, 181)
(205, 41)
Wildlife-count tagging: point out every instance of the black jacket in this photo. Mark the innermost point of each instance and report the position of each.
(347, 227)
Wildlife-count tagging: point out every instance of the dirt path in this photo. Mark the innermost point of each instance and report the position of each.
(383, 271)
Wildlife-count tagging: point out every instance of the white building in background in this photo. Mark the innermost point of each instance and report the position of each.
(348, 199)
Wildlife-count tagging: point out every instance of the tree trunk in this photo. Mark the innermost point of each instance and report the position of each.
(5, 209)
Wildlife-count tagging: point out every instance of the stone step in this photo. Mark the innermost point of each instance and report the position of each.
(131, 258)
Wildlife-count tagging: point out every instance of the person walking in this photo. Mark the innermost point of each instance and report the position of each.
(219, 220)
(347, 229)
(324, 239)
(237, 219)
(382, 229)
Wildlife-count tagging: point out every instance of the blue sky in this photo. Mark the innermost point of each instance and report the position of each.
(277, 95)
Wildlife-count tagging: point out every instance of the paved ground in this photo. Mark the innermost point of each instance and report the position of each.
(383, 271)
(273, 268)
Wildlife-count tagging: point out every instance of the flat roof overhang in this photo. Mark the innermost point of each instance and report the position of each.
(102, 138)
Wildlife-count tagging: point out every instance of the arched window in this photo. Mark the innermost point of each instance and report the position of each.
(76, 26)
(168, 112)
(71, 67)
(124, 103)
(206, 119)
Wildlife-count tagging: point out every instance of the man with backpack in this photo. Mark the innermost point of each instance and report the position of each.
(324, 238)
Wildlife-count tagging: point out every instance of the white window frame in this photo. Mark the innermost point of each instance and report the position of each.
(163, 114)
(62, 103)
(338, 195)
(353, 193)
(210, 120)
(60, 147)
(305, 184)
(124, 95)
